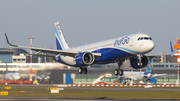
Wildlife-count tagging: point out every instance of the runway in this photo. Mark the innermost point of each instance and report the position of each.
(123, 89)
(76, 99)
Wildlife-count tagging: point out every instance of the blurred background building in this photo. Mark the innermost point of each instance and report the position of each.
(18, 55)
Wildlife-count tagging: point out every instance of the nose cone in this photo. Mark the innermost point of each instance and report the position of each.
(150, 46)
(146, 46)
(149, 75)
(17, 77)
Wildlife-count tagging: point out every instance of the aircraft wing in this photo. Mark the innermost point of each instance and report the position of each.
(158, 75)
(51, 51)
(150, 56)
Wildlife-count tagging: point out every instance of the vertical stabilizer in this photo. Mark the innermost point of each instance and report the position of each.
(60, 40)
(149, 66)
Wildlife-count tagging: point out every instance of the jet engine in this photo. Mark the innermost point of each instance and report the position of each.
(139, 62)
(85, 58)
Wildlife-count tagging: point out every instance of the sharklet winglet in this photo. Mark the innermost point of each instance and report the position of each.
(171, 47)
(9, 42)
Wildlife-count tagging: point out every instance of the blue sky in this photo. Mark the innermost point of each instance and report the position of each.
(88, 21)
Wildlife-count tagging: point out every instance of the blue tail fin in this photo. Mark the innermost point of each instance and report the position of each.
(149, 66)
(60, 40)
(171, 47)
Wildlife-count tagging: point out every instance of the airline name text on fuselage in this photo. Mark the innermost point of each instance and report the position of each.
(122, 41)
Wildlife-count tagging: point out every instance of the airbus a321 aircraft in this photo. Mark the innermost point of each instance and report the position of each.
(110, 51)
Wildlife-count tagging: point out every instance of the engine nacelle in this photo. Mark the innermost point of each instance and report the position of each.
(139, 63)
(85, 58)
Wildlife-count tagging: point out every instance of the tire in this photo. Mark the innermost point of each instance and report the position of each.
(120, 72)
(85, 70)
(80, 70)
(116, 72)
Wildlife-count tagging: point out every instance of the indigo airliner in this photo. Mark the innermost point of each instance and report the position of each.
(117, 50)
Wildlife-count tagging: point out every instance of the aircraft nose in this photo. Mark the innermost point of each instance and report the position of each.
(149, 46)
(18, 77)
(149, 75)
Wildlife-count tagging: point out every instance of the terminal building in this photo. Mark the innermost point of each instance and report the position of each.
(18, 55)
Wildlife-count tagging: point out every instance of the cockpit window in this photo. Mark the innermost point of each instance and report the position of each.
(144, 38)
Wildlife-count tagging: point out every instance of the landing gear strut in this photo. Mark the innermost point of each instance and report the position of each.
(82, 70)
(119, 71)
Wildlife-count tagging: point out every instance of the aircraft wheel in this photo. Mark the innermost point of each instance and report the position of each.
(80, 70)
(85, 70)
(116, 72)
(120, 72)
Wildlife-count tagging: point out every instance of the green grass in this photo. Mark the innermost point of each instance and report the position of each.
(92, 93)
(103, 94)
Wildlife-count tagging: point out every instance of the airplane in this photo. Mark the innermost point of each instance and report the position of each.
(117, 50)
(12, 76)
(145, 76)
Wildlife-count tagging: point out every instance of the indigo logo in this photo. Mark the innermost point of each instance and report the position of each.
(121, 41)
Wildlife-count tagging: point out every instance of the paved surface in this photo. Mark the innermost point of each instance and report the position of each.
(73, 99)
(123, 89)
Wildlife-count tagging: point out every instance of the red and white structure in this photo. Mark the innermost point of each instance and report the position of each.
(98, 85)
(31, 57)
(177, 46)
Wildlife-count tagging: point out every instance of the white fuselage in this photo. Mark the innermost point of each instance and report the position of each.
(115, 48)
(134, 75)
(12, 76)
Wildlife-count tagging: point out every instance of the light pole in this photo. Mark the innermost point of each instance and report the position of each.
(45, 53)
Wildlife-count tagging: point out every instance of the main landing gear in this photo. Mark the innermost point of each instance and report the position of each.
(82, 70)
(119, 71)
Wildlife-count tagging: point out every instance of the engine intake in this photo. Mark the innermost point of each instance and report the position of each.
(85, 58)
(139, 63)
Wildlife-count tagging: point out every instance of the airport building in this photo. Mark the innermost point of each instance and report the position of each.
(6, 54)
(18, 55)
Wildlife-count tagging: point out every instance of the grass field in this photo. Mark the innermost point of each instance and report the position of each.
(89, 93)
